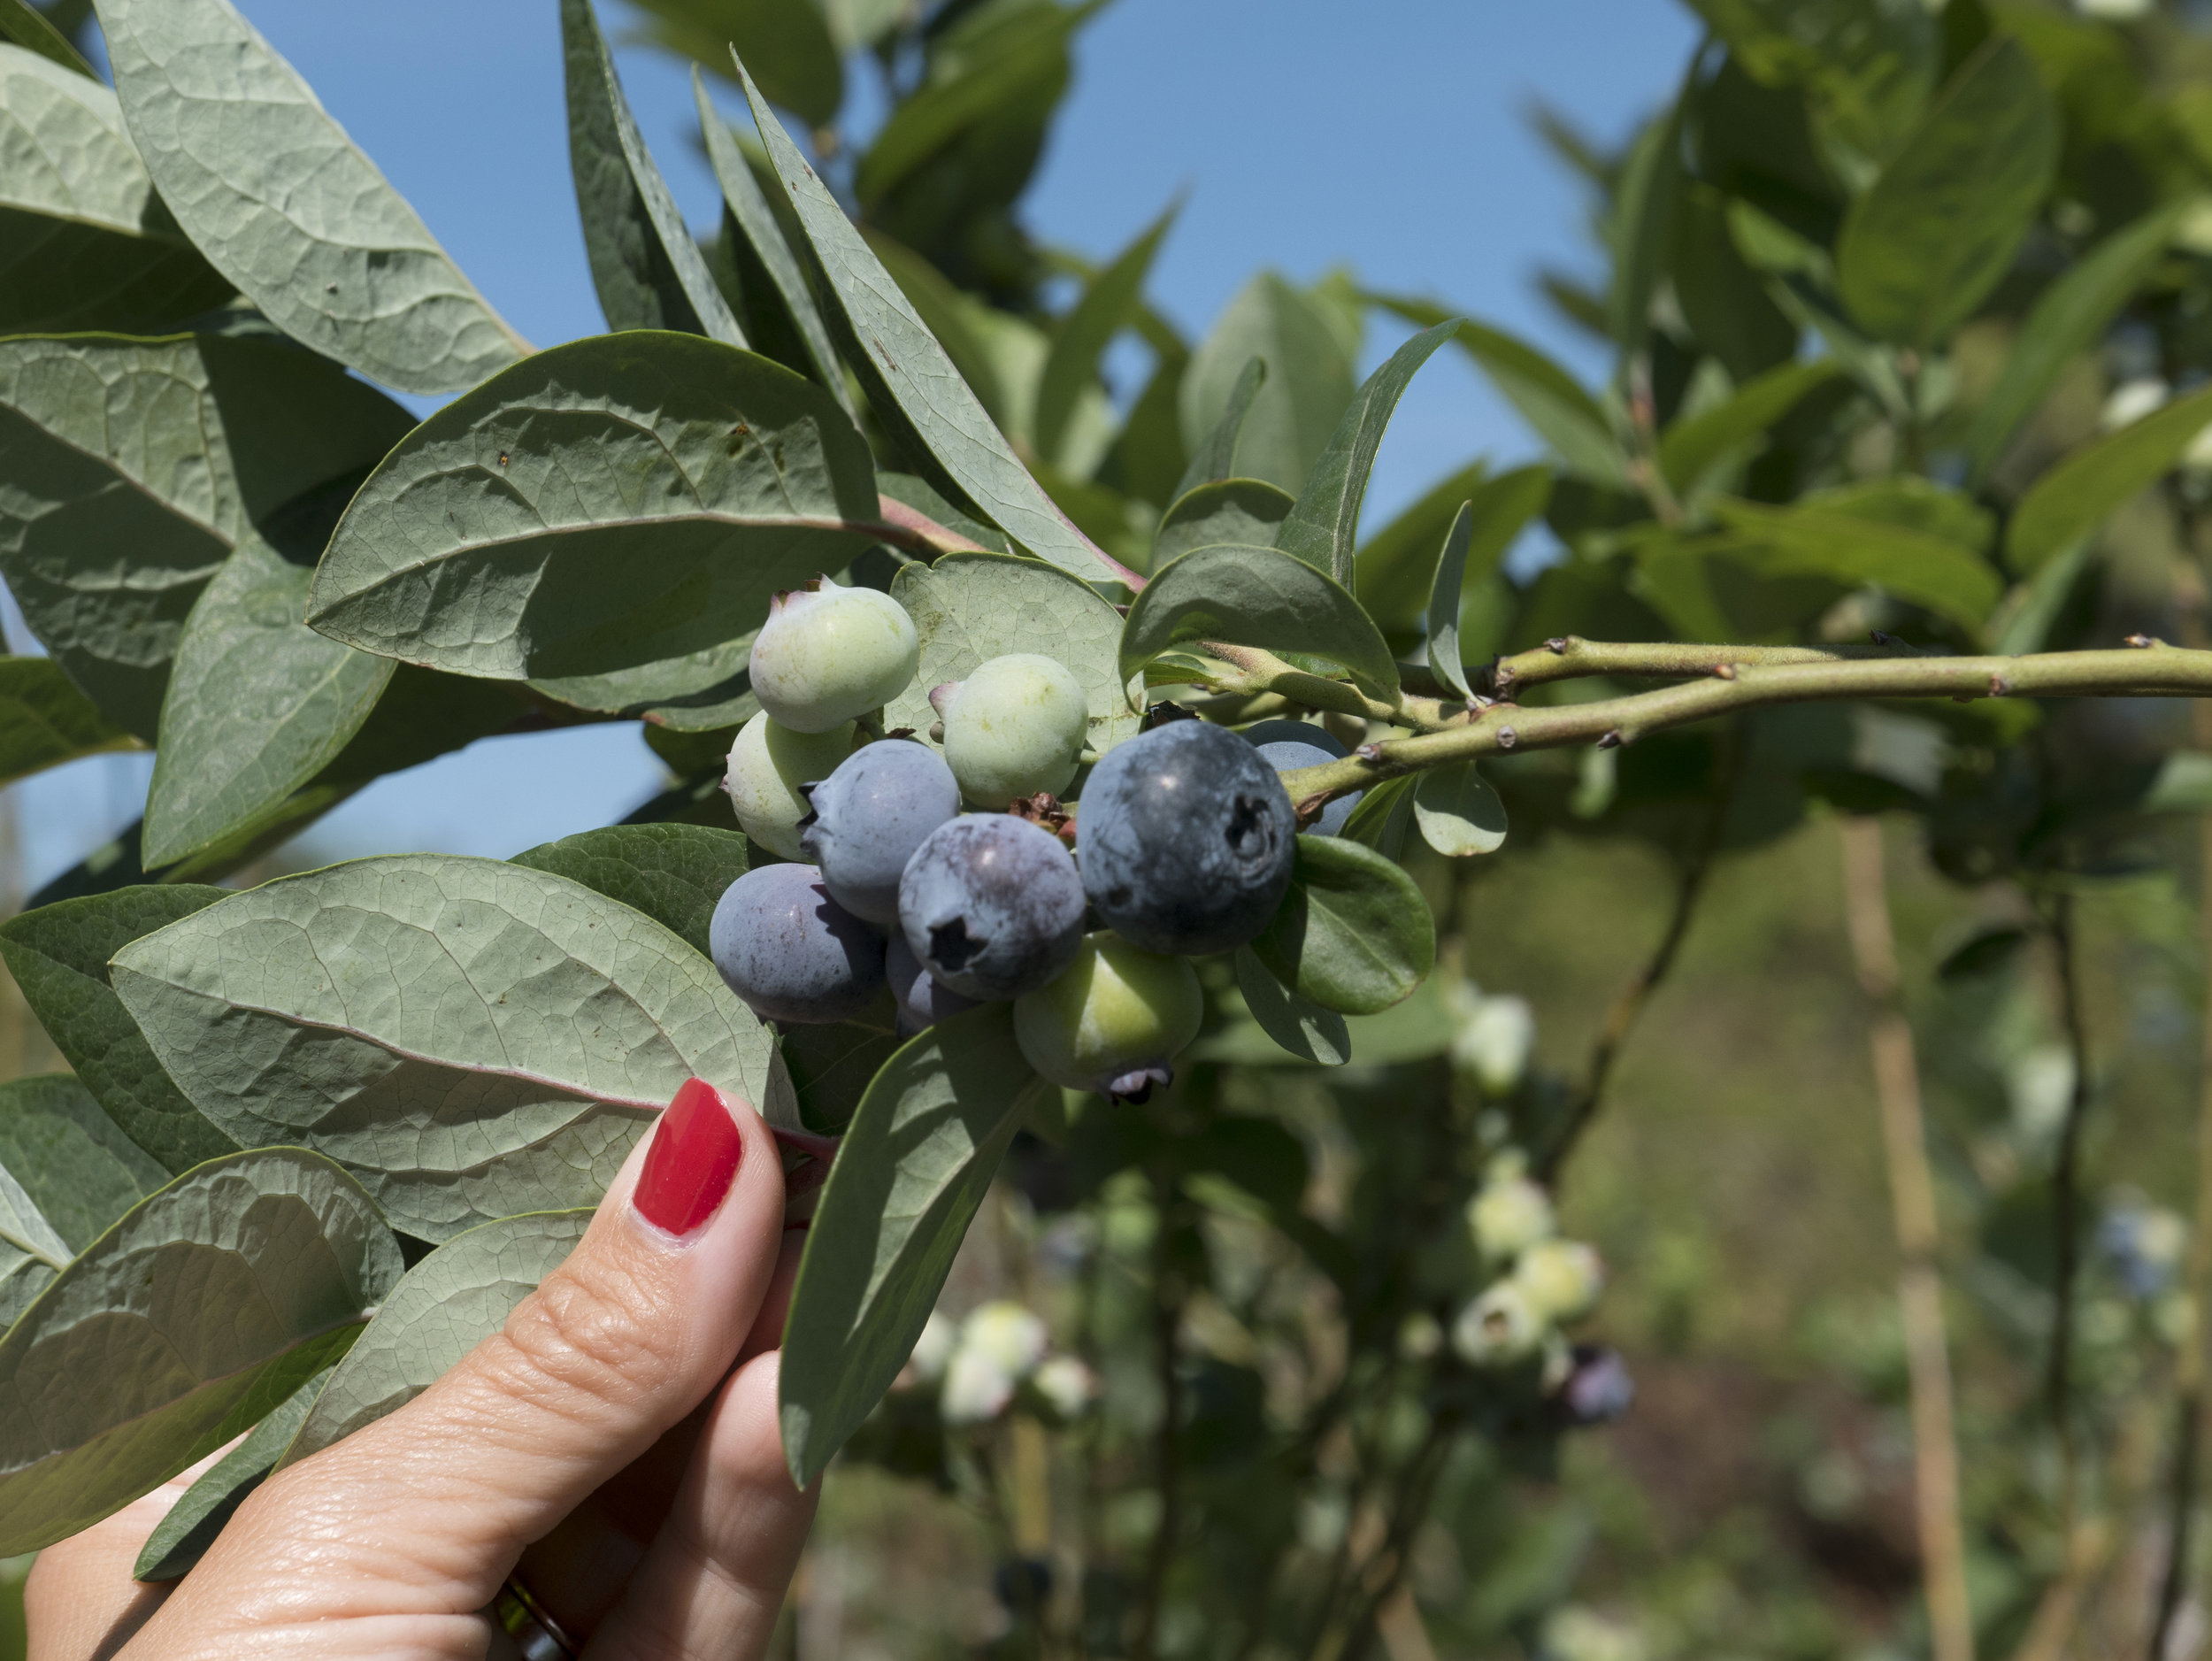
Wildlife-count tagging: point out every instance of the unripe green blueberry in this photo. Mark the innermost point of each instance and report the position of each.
(1112, 1020)
(1561, 1278)
(1508, 1215)
(1015, 727)
(768, 764)
(1498, 1329)
(827, 654)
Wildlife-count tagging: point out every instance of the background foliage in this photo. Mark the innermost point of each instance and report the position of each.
(1906, 305)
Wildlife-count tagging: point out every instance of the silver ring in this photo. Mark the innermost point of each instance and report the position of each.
(536, 1634)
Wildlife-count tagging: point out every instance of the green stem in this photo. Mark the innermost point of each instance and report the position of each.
(1570, 658)
(2152, 670)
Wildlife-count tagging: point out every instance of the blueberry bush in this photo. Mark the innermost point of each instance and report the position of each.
(1081, 814)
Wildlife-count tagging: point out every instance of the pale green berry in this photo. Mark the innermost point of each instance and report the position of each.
(1112, 1020)
(1508, 1215)
(1561, 1278)
(768, 764)
(1498, 1329)
(1016, 726)
(826, 655)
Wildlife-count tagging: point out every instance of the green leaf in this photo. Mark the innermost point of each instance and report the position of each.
(1724, 300)
(1923, 248)
(830, 1066)
(1296, 408)
(486, 1039)
(673, 873)
(58, 955)
(182, 1538)
(453, 1299)
(1027, 45)
(258, 704)
(1109, 300)
(22, 24)
(1692, 446)
(616, 501)
(1354, 934)
(69, 1159)
(909, 1175)
(788, 42)
(2069, 318)
(697, 692)
(1247, 511)
(1383, 817)
(1305, 1029)
(1647, 195)
(207, 1305)
(2070, 501)
(644, 261)
(1549, 399)
(1323, 528)
(1916, 566)
(970, 608)
(1458, 811)
(1256, 597)
(764, 259)
(85, 242)
(1217, 457)
(44, 721)
(1474, 549)
(912, 385)
(1864, 66)
(1393, 577)
(1444, 599)
(276, 195)
(130, 470)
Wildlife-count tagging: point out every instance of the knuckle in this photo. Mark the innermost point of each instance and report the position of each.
(594, 1330)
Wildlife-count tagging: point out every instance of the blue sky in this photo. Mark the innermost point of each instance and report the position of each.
(1389, 135)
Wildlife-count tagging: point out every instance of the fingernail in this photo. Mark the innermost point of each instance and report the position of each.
(692, 1162)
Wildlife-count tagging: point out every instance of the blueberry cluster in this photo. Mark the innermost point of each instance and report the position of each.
(919, 881)
(1539, 1282)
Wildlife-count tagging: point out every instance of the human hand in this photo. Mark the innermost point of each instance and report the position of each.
(614, 1449)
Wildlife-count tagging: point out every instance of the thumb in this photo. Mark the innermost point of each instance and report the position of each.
(627, 1337)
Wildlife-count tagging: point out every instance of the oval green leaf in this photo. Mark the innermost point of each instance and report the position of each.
(1301, 1027)
(1247, 511)
(912, 1170)
(1458, 812)
(613, 503)
(1924, 245)
(208, 1304)
(912, 385)
(1354, 934)
(1256, 597)
(2070, 501)
(453, 1299)
(44, 721)
(673, 873)
(85, 242)
(276, 195)
(58, 955)
(472, 1038)
(645, 263)
(1294, 409)
(182, 1538)
(1323, 529)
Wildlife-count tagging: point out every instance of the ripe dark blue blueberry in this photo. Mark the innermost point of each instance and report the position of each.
(921, 1000)
(867, 819)
(992, 905)
(1289, 745)
(1187, 839)
(792, 952)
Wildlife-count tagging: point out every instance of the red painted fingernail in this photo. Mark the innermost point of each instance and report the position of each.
(692, 1162)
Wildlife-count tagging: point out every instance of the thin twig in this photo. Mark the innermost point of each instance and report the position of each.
(1620, 1019)
(1572, 658)
(2066, 1198)
(2156, 670)
(1167, 1320)
(2189, 1362)
(1913, 1210)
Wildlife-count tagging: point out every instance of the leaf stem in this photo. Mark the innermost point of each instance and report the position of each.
(2153, 670)
(1570, 658)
